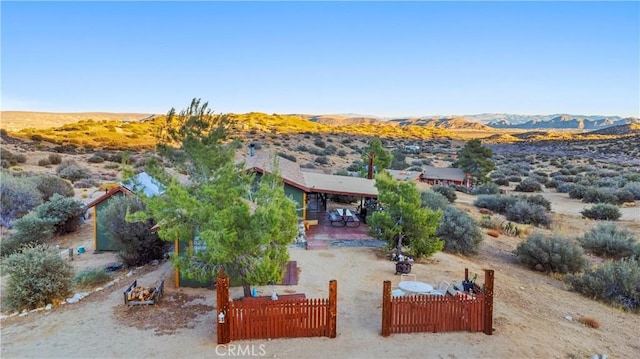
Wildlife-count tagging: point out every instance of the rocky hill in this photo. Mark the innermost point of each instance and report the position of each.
(567, 122)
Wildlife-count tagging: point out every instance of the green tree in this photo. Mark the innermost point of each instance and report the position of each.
(403, 221)
(475, 159)
(381, 157)
(236, 222)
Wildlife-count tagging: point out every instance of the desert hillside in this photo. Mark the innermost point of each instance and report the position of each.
(17, 120)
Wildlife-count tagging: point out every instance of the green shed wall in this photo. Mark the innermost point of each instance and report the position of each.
(103, 242)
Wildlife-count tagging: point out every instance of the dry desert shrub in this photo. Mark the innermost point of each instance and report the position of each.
(590, 322)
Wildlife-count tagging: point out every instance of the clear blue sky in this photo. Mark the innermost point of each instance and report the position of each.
(373, 58)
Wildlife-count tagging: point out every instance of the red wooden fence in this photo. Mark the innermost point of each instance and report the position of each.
(426, 313)
(282, 318)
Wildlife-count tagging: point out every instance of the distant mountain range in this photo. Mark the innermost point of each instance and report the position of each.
(485, 121)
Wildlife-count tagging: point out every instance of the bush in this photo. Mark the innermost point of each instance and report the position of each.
(565, 187)
(577, 191)
(29, 229)
(448, 192)
(91, 277)
(323, 160)
(514, 178)
(55, 159)
(607, 240)
(602, 211)
(496, 203)
(20, 158)
(136, 243)
(17, 197)
(528, 213)
(551, 254)
(66, 214)
(488, 188)
(528, 185)
(50, 185)
(634, 188)
(459, 232)
(599, 195)
(43, 162)
(71, 171)
(538, 199)
(95, 159)
(319, 142)
(501, 181)
(612, 282)
(37, 276)
(623, 195)
(433, 200)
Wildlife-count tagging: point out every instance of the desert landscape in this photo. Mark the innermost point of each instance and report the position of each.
(535, 315)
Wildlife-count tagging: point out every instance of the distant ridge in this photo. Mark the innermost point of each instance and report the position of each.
(568, 122)
(620, 130)
(17, 120)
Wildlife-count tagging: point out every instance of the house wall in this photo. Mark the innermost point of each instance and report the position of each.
(102, 242)
(183, 247)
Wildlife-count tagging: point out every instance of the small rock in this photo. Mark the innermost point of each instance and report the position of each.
(603, 356)
(76, 298)
(36, 310)
(130, 273)
(568, 317)
(98, 289)
(155, 262)
(522, 288)
(24, 312)
(48, 307)
(109, 285)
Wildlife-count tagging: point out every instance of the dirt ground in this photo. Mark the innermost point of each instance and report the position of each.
(535, 315)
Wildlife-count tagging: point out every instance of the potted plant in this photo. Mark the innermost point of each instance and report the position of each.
(468, 284)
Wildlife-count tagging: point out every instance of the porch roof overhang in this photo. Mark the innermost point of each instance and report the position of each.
(342, 185)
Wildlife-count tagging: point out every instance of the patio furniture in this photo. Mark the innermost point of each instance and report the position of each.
(415, 287)
(442, 289)
(336, 220)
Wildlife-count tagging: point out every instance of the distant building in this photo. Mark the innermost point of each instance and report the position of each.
(445, 176)
(405, 175)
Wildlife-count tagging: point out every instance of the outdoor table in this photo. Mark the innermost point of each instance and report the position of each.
(344, 212)
(415, 286)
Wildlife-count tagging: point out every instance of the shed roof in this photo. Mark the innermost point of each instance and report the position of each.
(145, 183)
(443, 173)
(289, 171)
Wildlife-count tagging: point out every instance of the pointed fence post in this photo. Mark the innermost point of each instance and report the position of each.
(332, 313)
(222, 302)
(386, 308)
(488, 301)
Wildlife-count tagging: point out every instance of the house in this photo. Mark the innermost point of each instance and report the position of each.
(405, 175)
(142, 182)
(445, 176)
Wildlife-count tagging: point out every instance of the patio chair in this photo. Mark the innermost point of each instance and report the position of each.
(397, 292)
(442, 289)
(408, 277)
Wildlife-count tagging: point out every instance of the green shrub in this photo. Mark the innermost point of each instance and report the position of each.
(613, 282)
(551, 254)
(29, 229)
(37, 276)
(624, 195)
(607, 240)
(538, 199)
(64, 213)
(55, 159)
(577, 191)
(446, 191)
(71, 171)
(20, 158)
(489, 222)
(43, 162)
(459, 232)
(323, 160)
(528, 185)
(137, 244)
(602, 211)
(90, 278)
(487, 188)
(95, 159)
(514, 178)
(528, 213)
(501, 181)
(634, 188)
(49, 185)
(565, 187)
(433, 200)
(599, 195)
(291, 158)
(496, 203)
(18, 196)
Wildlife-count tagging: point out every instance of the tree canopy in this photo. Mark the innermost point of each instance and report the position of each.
(475, 159)
(381, 157)
(403, 221)
(234, 220)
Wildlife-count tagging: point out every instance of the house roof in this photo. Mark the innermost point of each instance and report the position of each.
(404, 175)
(108, 194)
(142, 181)
(443, 173)
(310, 181)
(344, 185)
(145, 183)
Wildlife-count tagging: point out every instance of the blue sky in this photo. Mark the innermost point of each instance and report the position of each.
(373, 58)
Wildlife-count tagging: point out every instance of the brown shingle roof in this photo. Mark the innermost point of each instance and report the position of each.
(289, 171)
(345, 185)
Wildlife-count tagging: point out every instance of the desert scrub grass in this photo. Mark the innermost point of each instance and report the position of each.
(37, 276)
(446, 191)
(612, 282)
(528, 213)
(90, 278)
(528, 185)
(459, 232)
(607, 240)
(551, 254)
(602, 211)
(433, 200)
(487, 188)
